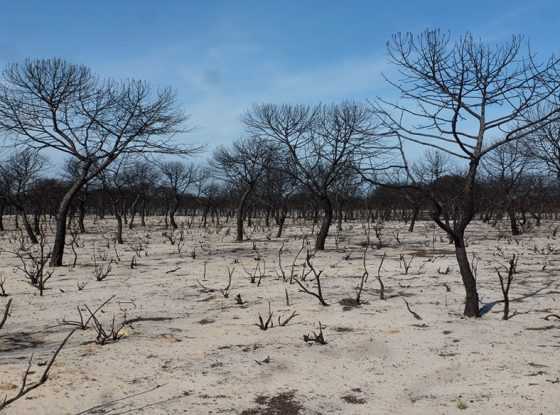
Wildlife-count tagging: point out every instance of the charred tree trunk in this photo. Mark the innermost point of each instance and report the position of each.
(267, 217)
(172, 211)
(82, 215)
(469, 281)
(143, 213)
(325, 224)
(118, 236)
(240, 215)
(2, 207)
(468, 210)
(204, 221)
(37, 222)
(281, 221)
(28, 228)
(61, 216)
(133, 212)
(415, 212)
(513, 221)
(456, 234)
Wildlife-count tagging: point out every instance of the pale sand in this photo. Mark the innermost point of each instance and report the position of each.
(378, 360)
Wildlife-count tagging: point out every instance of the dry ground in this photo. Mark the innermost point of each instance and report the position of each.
(198, 352)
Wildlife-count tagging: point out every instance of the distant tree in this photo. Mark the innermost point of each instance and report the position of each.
(243, 165)
(209, 192)
(71, 173)
(506, 169)
(141, 178)
(318, 144)
(543, 144)
(177, 178)
(18, 175)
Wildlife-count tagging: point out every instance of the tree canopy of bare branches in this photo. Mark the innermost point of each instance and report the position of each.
(320, 144)
(243, 165)
(51, 103)
(465, 98)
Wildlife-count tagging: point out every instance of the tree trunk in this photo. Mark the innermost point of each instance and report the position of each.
(267, 217)
(415, 212)
(469, 282)
(143, 214)
(28, 228)
(82, 215)
(325, 224)
(133, 212)
(513, 222)
(61, 216)
(172, 211)
(205, 216)
(37, 223)
(339, 220)
(119, 218)
(281, 221)
(240, 215)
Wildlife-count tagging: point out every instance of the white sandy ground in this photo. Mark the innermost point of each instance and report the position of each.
(378, 360)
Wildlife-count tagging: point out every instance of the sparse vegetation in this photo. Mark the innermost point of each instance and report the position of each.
(231, 257)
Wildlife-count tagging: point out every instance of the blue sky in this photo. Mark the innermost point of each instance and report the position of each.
(222, 56)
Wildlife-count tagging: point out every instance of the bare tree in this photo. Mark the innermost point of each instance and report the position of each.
(319, 144)
(18, 174)
(465, 98)
(243, 166)
(209, 191)
(506, 169)
(141, 178)
(50, 103)
(72, 170)
(115, 186)
(177, 177)
(274, 191)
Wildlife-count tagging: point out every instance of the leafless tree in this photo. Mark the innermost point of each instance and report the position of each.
(18, 175)
(243, 165)
(50, 103)
(505, 283)
(178, 177)
(274, 191)
(465, 98)
(117, 185)
(71, 172)
(141, 178)
(506, 169)
(209, 191)
(319, 142)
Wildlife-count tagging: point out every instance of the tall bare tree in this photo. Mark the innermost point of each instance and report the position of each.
(50, 103)
(319, 144)
(465, 98)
